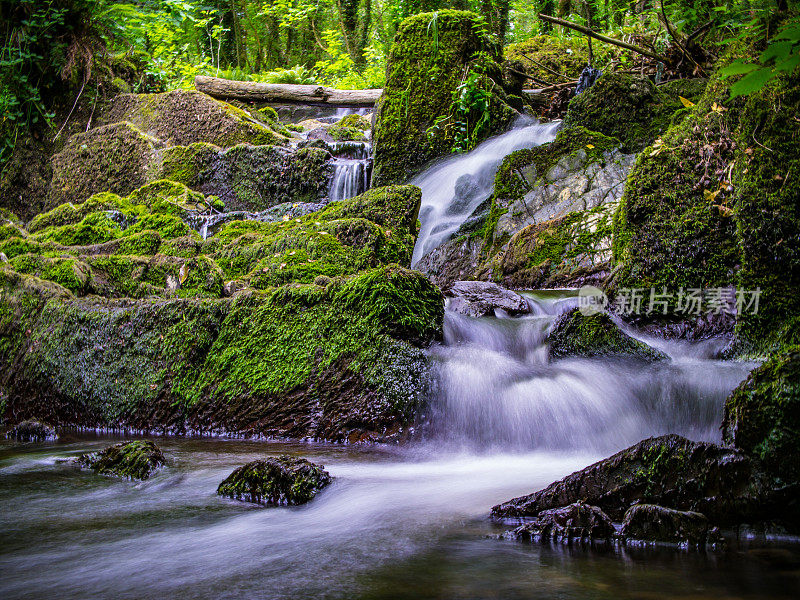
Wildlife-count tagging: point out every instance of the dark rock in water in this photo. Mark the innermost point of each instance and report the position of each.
(576, 334)
(651, 523)
(576, 522)
(32, 431)
(724, 484)
(479, 298)
(762, 415)
(285, 480)
(134, 460)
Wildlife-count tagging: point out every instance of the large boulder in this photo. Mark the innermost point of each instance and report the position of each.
(549, 220)
(576, 334)
(281, 481)
(762, 415)
(132, 460)
(724, 484)
(115, 313)
(180, 118)
(417, 119)
(116, 158)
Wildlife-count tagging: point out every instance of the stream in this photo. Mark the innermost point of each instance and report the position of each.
(397, 522)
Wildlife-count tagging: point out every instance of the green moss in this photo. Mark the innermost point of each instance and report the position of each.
(95, 228)
(187, 164)
(762, 415)
(15, 246)
(181, 118)
(168, 197)
(626, 107)
(424, 70)
(346, 134)
(116, 158)
(131, 460)
(567, 56)
(279, 481)
(576, 334)
(70, 273)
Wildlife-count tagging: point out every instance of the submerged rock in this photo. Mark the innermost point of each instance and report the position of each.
(576, 334)
(32, 431)
(578, 522)
(134, 460)
(651, 523)
(480, 298)
(722, 483)
(284, 480)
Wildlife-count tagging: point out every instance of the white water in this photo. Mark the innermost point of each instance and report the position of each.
(498, 390)
(352, 168)
(441, 213)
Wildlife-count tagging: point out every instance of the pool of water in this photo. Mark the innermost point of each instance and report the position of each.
(395, 523)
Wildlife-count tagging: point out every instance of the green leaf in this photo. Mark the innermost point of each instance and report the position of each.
(737, 68)
(790, 64)
(777, 50)
(752, 82)
(790, 33)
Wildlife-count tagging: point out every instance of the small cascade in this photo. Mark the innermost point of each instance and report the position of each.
(352, 169)
(452, 189)
(208, 224)
(498, 390)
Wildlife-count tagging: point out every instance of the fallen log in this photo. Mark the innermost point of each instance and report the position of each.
(226, 89)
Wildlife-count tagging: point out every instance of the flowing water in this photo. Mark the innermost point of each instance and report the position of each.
(397, 522)
(453, 188)
(352, 169)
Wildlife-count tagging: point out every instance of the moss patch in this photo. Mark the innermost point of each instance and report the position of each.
(131, 460)
(281, 481)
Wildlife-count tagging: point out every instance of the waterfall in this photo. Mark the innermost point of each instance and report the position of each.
(352, 169)
(453, 188)
(498, 389)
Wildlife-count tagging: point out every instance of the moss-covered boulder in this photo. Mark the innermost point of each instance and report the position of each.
(281, 481)
(652, 523)
(181, 118)
(418, 117)
(116, 158)
(762, 415)
(114, 312)
(712, 205)
(132, 460)
(542, 55)
(255, 178)
(592, 335)
(32, 431)
(627, 107)
(724, 484)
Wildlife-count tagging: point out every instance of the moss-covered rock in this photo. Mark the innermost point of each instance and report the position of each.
(541, 55)
(652, 523)
(281, 481)
(180, 118)
(116, 158)
(762, 415)
(132, 460)
(298, 327)
(32, 431)
(255, 178)
(712, 205)
(626, 107)
(426, 66)
(188, 164)
(595, 335)
(724, 484)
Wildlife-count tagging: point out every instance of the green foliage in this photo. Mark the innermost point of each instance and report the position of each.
(782, 56)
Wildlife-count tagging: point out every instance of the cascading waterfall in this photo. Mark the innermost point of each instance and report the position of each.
(452, 189)
(352, 169)
(498, 390)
